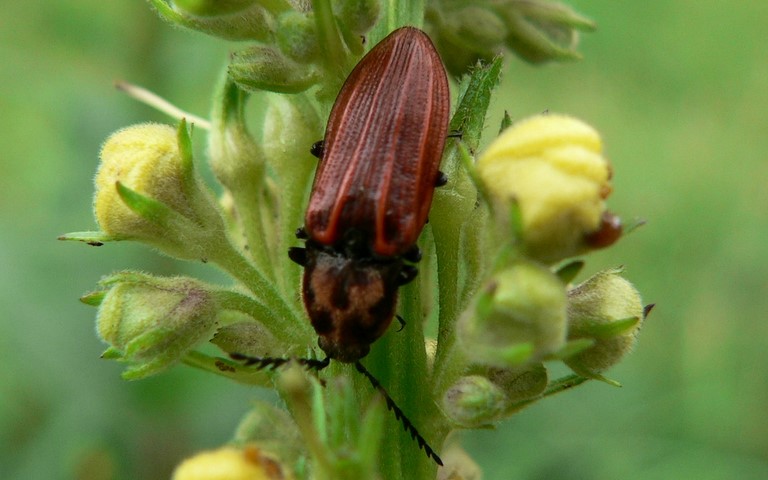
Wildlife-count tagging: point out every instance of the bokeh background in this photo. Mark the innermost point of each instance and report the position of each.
(679, 89)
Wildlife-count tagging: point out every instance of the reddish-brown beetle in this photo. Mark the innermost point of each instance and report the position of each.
(372, 192)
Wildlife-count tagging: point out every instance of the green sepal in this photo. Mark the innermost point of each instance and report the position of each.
(95, 239)
(568, 271)
(144, 370)
(185, 153)
(93, 299)
(573, 347)
(516, 221)
(206, 8)
(112, 353)
(252, 23)
(611, 329)
(632, 226)
(506, 122)
(516, 354)
(596, 376)
(147, 341)
(143, 206)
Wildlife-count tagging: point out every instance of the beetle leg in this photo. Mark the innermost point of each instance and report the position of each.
(298, 255)
(441, 179)
(413, 254)
(407, 274)
(317, 149)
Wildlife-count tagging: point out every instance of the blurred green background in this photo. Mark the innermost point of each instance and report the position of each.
(679, 90)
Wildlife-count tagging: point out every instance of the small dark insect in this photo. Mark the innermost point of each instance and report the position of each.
(379, 166)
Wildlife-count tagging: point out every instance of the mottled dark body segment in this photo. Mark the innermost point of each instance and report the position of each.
(350, 301)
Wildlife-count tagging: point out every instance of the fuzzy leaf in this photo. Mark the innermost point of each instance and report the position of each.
(475, 98)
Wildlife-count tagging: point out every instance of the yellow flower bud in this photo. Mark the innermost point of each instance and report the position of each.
(229, 463)
(147, 190)
(606, 308)
(473, 401)
(152, 322)
(553, 167)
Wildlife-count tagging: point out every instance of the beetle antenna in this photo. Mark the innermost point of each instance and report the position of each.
(399, 415)
(272, 363)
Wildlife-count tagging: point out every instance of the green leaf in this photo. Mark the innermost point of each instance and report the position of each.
(474, 100)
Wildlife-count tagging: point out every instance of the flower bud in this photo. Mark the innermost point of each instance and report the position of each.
(358, 16)
(518, 317)
(235, 158)
(262, 67)
(230, 463)
(540, 30)
(147, 190)
(473, 401)
(608, 309)
(553, 168)
(227, 19)
(476, 27)
(466, 35)
(152, 322)
(297, 36)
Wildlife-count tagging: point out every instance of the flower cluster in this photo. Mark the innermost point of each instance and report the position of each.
(496, 279)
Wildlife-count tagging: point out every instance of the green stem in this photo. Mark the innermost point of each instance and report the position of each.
(447, 248)
(331, 44)
(236, 265)
(283, 329)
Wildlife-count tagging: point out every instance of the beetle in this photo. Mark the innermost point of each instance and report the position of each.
(379, 165)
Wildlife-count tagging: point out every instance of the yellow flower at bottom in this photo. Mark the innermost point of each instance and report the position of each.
(230, 463)
(553, 167)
